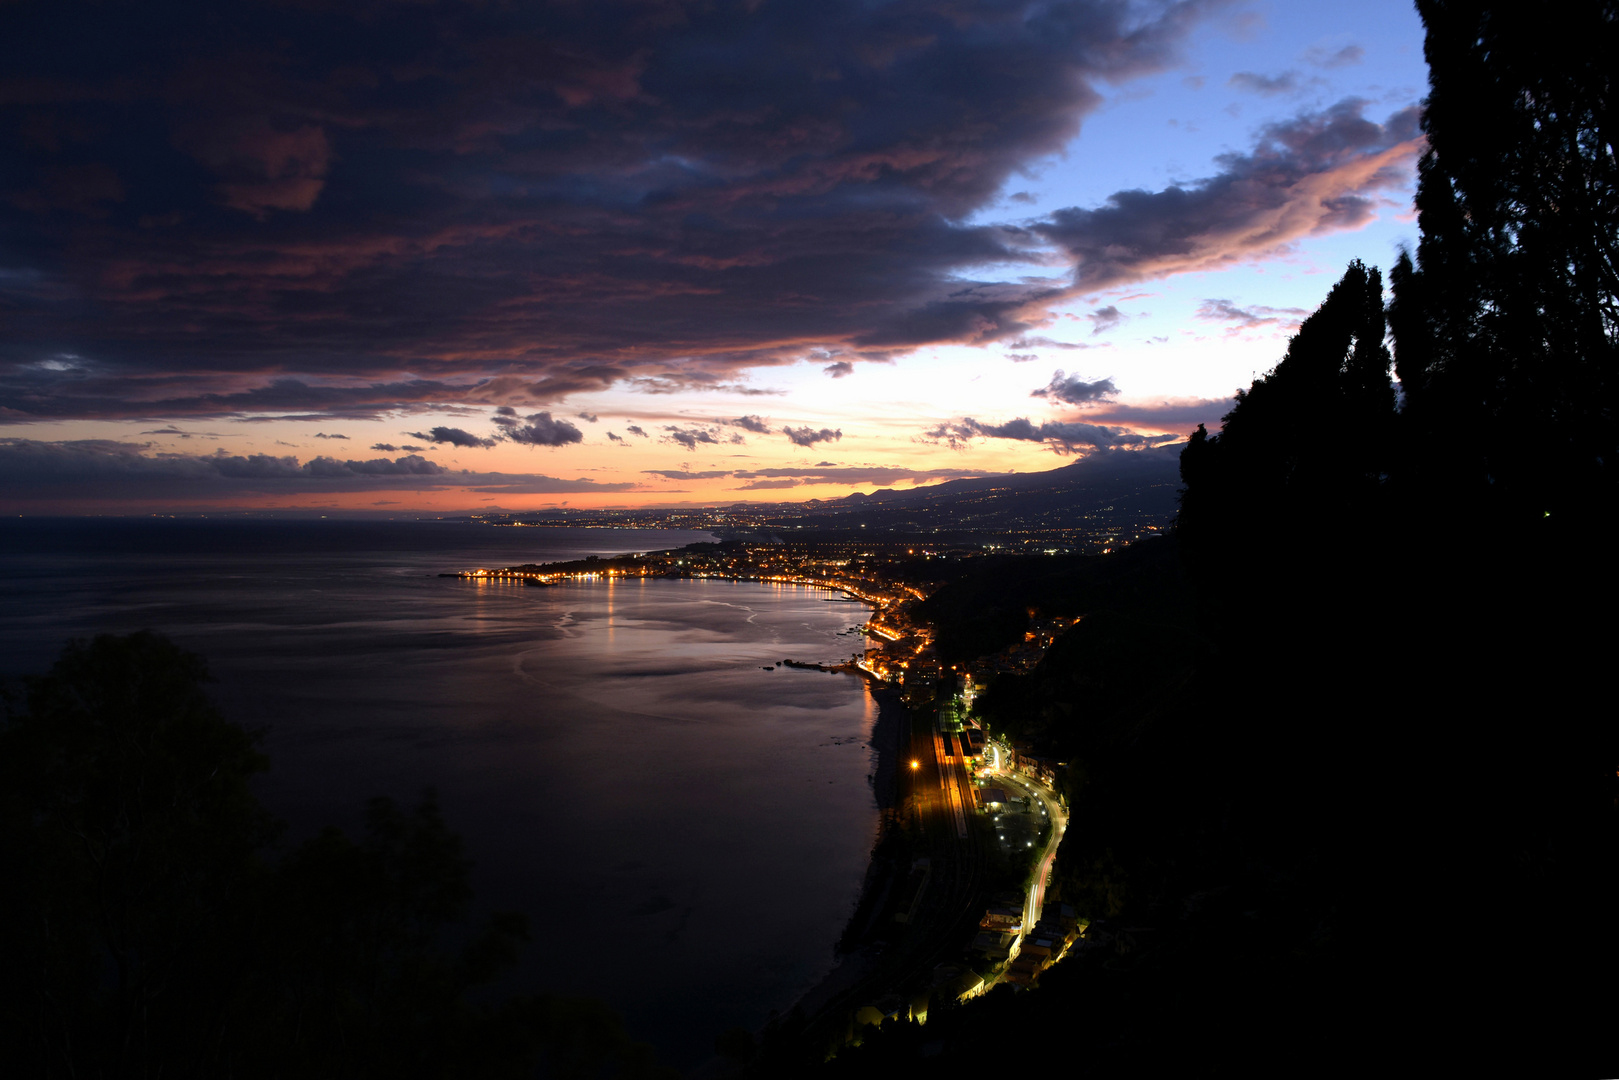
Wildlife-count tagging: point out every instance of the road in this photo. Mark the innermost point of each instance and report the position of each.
(1052, 808)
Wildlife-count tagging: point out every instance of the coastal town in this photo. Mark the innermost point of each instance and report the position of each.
(968, 900)
(893, 577)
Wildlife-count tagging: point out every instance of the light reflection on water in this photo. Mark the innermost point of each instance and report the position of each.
(686, 831)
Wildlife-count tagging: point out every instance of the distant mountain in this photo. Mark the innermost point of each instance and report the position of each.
(1107, 490)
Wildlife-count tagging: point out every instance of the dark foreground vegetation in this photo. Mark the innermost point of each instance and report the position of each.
(150, 925)
(1341, 752)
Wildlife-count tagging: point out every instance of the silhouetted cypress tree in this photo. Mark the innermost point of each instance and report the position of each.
(1305, 450)
(1505, 325)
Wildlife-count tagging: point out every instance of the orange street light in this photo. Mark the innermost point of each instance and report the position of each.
(915, 764)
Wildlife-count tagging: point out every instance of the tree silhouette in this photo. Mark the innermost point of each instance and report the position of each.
(1305, 450)
(147, 928)
(128, 836)
(1505, 324)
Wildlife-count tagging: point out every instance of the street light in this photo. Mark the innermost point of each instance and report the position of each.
(915, 764)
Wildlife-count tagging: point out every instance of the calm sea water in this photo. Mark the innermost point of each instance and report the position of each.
(686, 831)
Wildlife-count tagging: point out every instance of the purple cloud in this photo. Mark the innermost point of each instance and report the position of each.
(1185, 413)
(1076, 391)
(853, 475)
(1335, 58)
(536, 429)
(523, 202)
(453, 435)
(1317, 173)
(1062, 437)
(1268, 85)
(38, 472)
(690, 437)
(806, 436)
(1251, 317)
(1105, 318)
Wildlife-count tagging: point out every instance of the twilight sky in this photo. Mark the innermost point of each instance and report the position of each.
(454, 255)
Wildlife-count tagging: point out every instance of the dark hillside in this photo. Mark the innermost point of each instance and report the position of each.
(988, 607)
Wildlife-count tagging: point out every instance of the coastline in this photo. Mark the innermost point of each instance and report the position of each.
(857, 947)
(890, 732)
(852, 963)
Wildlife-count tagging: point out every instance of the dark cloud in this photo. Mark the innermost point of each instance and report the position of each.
(1249, 318)
(635, 429)
(690, 437)
(589, 418)
(530, 484)
(755, 424)
(78, 388)
(611, 437)
(453, 435)
(1029, 343)
(1105, 318)
(839, 369)
(825, 473)
(1285, 83)
(1076, 391)
(1185, 413)
(1335, 58)
(1317, 173)
(323, 435)
(1063, 437)
(1044, 343)
(38, 472)
(386, 448)
(536, 429)
(682, 474)
(807, 436)
(290, 209)
(854, 475)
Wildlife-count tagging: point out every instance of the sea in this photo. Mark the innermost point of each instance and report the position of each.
(686, 831)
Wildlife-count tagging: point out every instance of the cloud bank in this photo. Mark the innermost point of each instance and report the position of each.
(34, 471)
(1062, 437)
(325, 211)
(1317, 173)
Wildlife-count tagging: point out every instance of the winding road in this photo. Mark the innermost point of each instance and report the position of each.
(1051, 806)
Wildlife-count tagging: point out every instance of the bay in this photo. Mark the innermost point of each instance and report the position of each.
(686, 831)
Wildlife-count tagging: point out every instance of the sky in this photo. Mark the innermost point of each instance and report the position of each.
(458, 256)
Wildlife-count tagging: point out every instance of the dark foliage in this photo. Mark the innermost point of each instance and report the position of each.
(988, 606)
(1506, 323)
(1303, 454)
(146, 930)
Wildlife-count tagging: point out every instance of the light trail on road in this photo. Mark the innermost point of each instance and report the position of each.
(1034, 903)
